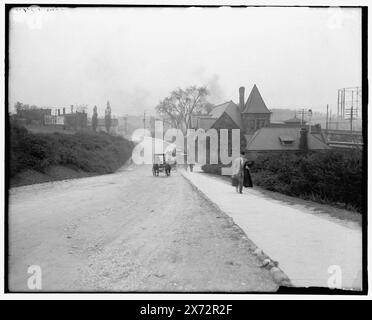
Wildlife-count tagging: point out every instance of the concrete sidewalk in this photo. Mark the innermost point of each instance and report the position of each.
(312, 249)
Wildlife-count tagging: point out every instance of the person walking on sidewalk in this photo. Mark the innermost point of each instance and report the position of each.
(247, 180)
(241, 175)
(237, 176)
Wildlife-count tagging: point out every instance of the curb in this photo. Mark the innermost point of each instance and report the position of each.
(266, 262)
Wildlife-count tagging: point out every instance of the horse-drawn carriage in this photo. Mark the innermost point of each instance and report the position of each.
(160, 164)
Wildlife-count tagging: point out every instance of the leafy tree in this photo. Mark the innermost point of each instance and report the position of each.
(181, 105)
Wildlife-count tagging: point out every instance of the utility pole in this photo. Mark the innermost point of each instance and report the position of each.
(327, 120)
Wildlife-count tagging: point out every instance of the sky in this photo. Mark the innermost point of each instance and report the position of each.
(134, 57)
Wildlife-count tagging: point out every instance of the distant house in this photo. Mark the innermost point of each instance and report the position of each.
(33, 115)
(291, 122)
(72, 121)
(294, 122)
(50, 120)
(77, 120)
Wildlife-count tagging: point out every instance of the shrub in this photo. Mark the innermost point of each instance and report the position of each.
(330, 177)
(334, 176)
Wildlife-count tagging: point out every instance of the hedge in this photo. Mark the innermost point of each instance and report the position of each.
(330, 177)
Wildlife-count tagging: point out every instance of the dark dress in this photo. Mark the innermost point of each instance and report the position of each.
(247, 181)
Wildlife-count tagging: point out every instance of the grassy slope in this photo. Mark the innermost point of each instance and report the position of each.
(59, 155)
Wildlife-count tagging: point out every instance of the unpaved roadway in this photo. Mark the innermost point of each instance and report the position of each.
(128, 232)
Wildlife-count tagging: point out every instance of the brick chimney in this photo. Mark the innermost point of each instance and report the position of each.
(241, 98)
(304, 145)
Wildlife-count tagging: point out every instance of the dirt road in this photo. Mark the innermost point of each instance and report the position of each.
(127, 232)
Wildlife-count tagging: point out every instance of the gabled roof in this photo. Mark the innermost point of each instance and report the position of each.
(255, 103)
(206, 123)
(219, 109)
(266, 139)
(231, 109)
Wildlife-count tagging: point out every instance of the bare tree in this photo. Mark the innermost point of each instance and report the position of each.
(181, 105)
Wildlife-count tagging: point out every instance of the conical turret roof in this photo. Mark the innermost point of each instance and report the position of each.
(255, 103)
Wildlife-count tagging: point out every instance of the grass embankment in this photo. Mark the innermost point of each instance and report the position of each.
(39, 157)
(334, 177)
